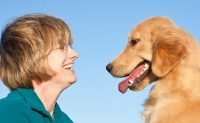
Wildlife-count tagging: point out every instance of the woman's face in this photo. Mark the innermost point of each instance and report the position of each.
(60, 63)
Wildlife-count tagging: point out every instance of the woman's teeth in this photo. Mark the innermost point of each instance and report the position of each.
(69, 66)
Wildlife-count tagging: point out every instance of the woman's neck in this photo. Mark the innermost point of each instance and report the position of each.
(48, 94)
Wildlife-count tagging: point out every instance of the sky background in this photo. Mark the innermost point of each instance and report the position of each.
(100, 30)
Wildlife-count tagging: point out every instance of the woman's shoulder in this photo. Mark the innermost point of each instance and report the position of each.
(6, 104)
(12, 102)
(14, 110)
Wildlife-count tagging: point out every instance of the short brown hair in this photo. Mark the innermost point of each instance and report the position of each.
(25, 42)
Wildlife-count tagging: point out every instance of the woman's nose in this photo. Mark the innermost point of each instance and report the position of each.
(72, 53)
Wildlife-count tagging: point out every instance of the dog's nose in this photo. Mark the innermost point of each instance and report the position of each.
(109, 67)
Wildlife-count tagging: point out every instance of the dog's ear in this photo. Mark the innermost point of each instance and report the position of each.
(168, 50)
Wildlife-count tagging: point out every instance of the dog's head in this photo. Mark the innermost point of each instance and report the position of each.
(154, 48)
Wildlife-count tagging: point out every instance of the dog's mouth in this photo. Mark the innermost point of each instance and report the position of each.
(135, 77)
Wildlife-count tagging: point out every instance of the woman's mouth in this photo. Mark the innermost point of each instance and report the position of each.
(68, 66)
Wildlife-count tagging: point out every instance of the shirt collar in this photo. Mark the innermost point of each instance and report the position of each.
(57, 113)
(33, 101)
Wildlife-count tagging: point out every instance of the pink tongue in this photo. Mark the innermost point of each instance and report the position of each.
(123, 86)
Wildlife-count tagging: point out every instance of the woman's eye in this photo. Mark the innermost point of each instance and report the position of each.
(61, 48)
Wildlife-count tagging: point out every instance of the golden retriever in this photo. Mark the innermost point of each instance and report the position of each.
(160, 51)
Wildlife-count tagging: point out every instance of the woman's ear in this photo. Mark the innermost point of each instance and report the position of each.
(168, 50)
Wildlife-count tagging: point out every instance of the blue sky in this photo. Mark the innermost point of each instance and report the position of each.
(100, 29)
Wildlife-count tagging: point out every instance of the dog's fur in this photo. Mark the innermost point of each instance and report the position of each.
(175, 67)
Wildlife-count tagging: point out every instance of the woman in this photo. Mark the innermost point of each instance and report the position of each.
(35, 64)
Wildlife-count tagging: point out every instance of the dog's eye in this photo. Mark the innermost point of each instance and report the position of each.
(134, 41)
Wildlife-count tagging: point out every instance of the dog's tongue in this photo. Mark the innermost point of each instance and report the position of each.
(123, 86)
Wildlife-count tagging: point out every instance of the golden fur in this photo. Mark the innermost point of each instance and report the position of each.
(174, 56)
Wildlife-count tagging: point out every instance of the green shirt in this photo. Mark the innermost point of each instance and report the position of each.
(23, 106)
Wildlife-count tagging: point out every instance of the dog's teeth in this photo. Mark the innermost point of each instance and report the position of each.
(138, 75)
(138, 82)
(146, 65)
(130, 81)
(141, 72)
(144, 68)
